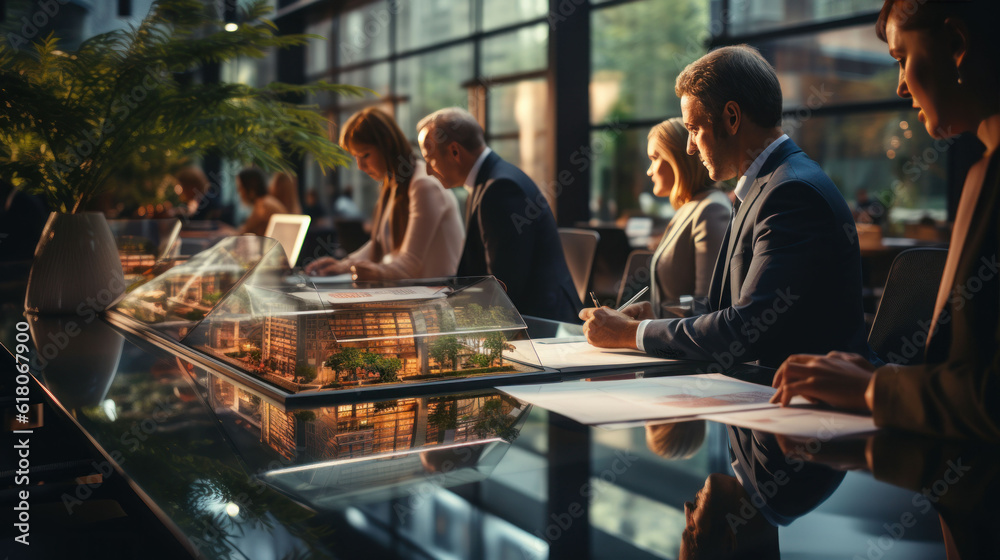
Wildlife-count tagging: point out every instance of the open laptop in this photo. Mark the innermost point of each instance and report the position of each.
(289, 230)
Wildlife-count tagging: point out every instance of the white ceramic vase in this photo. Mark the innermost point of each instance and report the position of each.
(76, 269)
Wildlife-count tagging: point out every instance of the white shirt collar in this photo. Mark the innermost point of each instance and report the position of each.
(745, 182)
(470, 181)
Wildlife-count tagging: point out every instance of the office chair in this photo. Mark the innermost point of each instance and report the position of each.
(636, 275)
(579, 246)
(907, 303)
(612, 255)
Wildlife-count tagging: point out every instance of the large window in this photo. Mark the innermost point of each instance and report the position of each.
(492, 57)
(637, 51)
(838, 85)
(488, 56)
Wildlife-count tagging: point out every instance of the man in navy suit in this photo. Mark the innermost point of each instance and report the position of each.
(789, 273)
(510, 231)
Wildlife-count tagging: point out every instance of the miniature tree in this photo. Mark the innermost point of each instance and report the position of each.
(349, 359)
(493, 422)
(384, 367)
(445, 348)
(480, 360)
(305, 372)
(444, 417)
(496, 343)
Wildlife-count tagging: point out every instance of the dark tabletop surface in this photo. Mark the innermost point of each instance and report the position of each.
(479, 475)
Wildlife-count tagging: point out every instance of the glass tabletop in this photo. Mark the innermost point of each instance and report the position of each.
(477, 474)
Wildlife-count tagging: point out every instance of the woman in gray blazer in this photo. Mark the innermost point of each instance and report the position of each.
(684, 259)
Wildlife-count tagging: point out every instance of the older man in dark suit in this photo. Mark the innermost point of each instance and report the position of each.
(789, 274)
(510, 231)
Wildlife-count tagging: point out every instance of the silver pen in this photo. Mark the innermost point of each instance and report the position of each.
(634, 299)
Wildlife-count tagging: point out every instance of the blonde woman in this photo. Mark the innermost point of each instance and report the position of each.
(685, 258)
(285, 188)
(416, 232)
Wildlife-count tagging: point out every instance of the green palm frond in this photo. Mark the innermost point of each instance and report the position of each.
(70, 120)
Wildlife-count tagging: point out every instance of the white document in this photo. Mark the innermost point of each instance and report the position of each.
(372, 295)
(803, 421)
(574, 355)
(659, 398)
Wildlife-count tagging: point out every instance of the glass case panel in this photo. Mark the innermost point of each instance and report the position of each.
(173, 302)
(143, 244)
(238, 306)
(300, 337)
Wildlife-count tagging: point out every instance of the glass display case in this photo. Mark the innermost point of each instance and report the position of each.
(238, 308)
(145, 246)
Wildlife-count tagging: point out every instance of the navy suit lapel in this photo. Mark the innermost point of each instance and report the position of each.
(733, 235)
(716, 289)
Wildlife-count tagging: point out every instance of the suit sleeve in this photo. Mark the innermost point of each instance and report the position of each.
(790, 254)
(709, 231)
(507, 233)
(953, 399)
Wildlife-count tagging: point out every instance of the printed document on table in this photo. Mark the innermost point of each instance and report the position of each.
(374, 295)
(571, 354)
(658, 398)
(803, 421)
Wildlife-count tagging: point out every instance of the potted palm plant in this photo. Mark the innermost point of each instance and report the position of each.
(69, 120)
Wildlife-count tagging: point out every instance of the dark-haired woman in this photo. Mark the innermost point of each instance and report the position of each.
(416, 232)
(251, 183)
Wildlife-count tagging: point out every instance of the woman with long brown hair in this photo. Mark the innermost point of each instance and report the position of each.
(685, 257)
(416, 232)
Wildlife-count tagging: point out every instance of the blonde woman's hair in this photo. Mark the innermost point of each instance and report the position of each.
(678, 440)
(692, 176)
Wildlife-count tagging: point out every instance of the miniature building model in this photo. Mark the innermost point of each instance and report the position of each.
(239, 304)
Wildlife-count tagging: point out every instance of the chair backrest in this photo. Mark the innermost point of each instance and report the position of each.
(351, 233)
(636, 275)
(899, 331)
(612, 253)
(579, 246)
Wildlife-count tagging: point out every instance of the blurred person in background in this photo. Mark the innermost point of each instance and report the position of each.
(285, 188)
(251, 183)
(199, 200)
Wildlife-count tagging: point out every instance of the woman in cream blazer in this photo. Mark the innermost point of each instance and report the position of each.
(417, 231)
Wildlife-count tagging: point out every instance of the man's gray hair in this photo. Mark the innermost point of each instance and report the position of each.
(454, 124)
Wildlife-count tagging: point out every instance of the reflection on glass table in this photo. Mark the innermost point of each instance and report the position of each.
(473, 474)
(329, 456)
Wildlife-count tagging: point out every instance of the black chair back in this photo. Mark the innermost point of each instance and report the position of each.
(609, 260)
(899, 331)
(351, 234)
(636, 276)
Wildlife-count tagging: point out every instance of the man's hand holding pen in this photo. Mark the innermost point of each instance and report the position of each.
(607, 328)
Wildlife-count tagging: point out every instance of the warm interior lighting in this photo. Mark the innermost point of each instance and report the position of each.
(230, 27)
